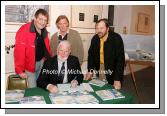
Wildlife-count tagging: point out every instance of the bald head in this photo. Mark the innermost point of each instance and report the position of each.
(63, 50)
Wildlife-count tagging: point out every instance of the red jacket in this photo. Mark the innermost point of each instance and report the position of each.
(24, 51)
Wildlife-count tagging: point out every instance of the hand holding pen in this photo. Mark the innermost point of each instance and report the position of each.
(74, 82)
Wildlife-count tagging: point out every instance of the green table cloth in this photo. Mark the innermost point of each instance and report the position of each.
(129, 99)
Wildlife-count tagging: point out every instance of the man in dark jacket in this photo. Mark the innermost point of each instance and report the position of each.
(62, 68)
(106, 55)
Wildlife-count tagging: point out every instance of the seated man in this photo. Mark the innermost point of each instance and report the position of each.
(62, 68)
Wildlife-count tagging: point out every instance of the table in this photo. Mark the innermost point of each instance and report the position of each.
(138, 62)
(129, 99)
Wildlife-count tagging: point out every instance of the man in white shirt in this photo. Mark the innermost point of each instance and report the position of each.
(62, 68)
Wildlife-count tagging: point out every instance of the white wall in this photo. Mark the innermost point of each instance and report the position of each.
(55, 11)
(122, 17)
(127, 15)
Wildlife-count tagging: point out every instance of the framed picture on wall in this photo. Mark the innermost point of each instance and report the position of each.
(143, 23)
(22, 13)
(85, 16)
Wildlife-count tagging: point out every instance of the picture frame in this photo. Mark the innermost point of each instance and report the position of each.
(143, 23)
(85, 16)
(20, 14)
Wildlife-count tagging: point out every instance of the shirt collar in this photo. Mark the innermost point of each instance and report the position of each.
(32, 27)
(58, 33)
(33, 30)
(59, 60)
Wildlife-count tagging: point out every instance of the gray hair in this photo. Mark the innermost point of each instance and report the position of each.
(64, 42)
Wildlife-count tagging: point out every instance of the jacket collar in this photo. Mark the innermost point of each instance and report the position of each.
(33, 30)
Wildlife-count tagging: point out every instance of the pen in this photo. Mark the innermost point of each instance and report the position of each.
(74, 79)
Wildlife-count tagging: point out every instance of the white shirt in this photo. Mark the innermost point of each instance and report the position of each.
(65, 80)
(58, 33)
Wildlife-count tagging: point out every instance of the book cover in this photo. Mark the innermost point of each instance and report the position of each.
(109, 94)
(117, 94)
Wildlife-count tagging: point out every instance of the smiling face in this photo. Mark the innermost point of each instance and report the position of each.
(63, 25)
(101, 29)
(40, 21)
(63, 50)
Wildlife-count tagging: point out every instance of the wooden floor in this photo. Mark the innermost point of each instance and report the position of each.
(145, 80)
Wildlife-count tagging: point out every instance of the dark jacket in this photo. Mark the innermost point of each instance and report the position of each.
(51, 65)
(114, 57)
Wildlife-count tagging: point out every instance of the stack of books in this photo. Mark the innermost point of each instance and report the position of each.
(109, 94)
(13, 95)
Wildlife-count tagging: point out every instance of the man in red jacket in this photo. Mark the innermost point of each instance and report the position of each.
(32, 47)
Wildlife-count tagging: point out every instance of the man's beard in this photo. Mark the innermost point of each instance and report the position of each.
(100, 34)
